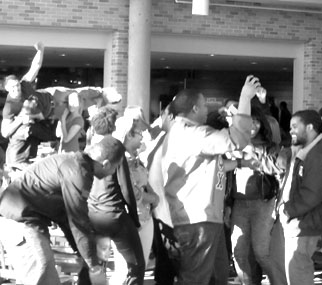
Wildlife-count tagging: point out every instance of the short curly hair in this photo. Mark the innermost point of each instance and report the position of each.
(103, 122)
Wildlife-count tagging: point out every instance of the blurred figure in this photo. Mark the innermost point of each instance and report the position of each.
(24, 115)
(284, 121)
(165, 244)
(70, 125)
(273, 109)
(129, 132)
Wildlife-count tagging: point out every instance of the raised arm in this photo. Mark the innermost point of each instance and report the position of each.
(36, 64)
(248, 91)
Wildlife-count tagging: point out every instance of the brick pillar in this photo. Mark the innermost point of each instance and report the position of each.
(118, 64)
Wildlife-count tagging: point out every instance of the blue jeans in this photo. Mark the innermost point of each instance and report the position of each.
(252, 224)
(203, 254)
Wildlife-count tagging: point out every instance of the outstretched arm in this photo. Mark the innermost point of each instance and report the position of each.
(36, 64)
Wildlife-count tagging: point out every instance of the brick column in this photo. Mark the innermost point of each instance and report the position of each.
(118, 63)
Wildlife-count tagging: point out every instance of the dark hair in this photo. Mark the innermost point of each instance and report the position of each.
(103, 122)
(108, 148)
(184, 101)
(216, 120)
(265, 131)
(310, 117)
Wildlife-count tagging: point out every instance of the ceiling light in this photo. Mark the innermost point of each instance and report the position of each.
(253, 63)
(3, 61)
(212, 54)
(62, 54)
(162, 59)
(167, 67)
(200, 7)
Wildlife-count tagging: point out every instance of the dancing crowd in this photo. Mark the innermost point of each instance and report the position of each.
(239, 187)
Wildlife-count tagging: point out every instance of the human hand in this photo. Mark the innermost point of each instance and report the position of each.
(39, 46)
(261, 95)
(251, 86)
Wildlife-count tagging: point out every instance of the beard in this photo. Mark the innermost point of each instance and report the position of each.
(298, 140)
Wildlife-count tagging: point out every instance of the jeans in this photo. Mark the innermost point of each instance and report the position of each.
(252, 224)
(277, 253)
(203, 254)
(32, 258)
(128, 244)
(146, 236)
(299, 265)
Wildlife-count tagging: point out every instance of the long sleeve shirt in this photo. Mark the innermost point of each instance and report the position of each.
(54, 189)
(193, 171)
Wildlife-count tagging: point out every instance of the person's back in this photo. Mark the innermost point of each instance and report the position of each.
(42, 190)
(189, 169)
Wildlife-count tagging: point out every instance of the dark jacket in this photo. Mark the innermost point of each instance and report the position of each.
(305, 202)
(54, 189)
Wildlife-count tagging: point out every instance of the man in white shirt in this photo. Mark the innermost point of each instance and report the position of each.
(194, 181)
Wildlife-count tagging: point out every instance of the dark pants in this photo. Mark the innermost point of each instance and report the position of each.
(203, 254)
(277, 253)
(126, 239)
(166, 267)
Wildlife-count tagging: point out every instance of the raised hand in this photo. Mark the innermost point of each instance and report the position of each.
(251, 87)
